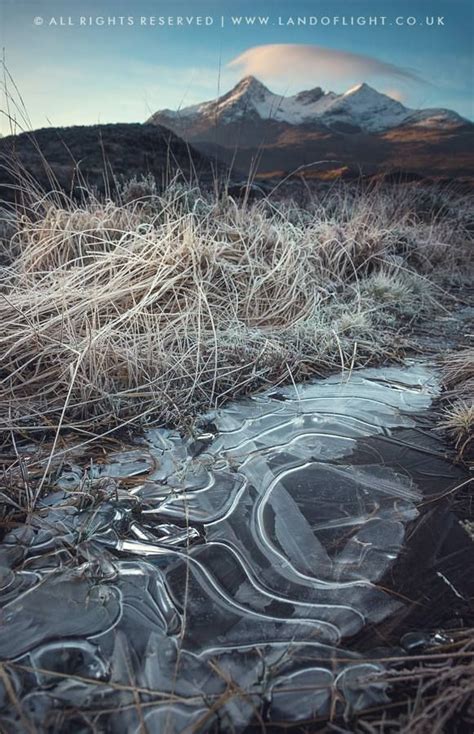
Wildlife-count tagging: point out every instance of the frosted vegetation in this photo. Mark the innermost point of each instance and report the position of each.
(155, 306)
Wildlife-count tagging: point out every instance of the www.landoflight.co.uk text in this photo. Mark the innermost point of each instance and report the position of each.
(183, 21)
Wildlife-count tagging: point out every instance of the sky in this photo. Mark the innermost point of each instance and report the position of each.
(88, 61)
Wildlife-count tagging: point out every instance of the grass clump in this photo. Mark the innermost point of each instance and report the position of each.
(458, 421)
(157, 305)
(457, 417)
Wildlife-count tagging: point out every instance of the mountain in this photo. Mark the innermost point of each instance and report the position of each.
(361, 129)
(250, 99)
(97, 155)
(361, 107)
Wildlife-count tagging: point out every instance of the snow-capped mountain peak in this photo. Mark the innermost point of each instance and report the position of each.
(249, 84)
(366, 108)
(362, 88)
(361, 108)
(249, 95)
(250, 99)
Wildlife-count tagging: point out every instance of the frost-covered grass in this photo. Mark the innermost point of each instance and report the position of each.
(457, 418)
(155, 306)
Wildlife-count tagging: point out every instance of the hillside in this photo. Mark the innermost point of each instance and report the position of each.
(96, 155)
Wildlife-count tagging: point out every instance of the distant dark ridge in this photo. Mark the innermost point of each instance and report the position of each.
(68, 158)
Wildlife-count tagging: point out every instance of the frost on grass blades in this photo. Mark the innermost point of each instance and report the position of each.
(175, 302)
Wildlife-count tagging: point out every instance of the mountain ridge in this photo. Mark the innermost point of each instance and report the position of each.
(362, 131)
(362, 107)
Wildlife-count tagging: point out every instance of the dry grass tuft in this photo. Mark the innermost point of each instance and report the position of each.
(458, 373)
(155, 306)
(432, 693)
(457, 417)
(458, 421)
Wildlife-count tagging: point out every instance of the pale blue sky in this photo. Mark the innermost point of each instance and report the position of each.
(85, 74)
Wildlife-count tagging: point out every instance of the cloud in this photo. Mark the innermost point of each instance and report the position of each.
(290, 60)
(397, 94)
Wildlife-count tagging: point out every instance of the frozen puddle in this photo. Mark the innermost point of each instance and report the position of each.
(225, 573)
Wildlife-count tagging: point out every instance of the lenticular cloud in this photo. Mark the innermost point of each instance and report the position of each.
(281, 58)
